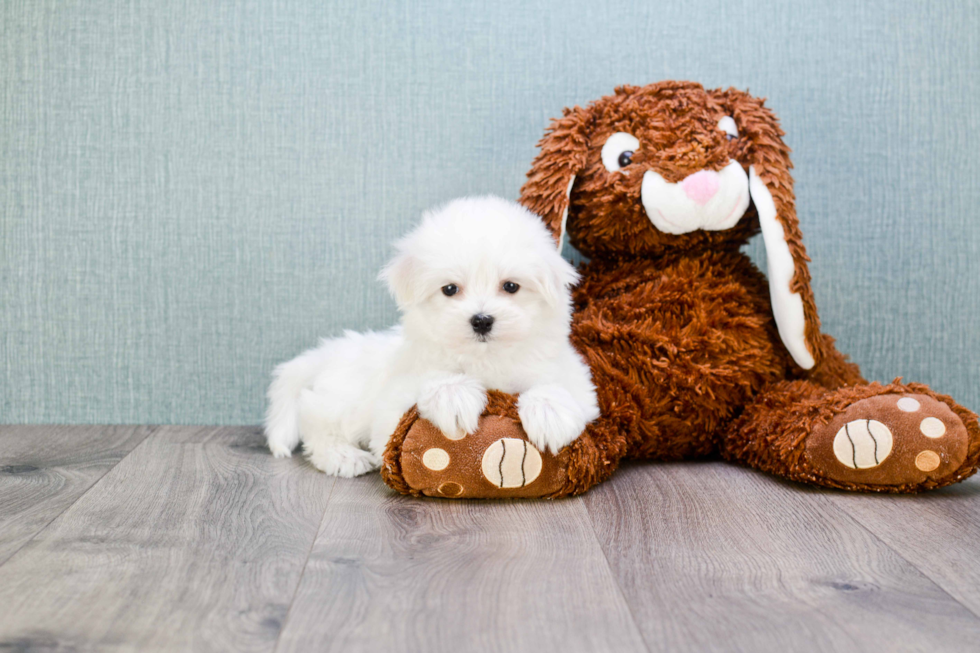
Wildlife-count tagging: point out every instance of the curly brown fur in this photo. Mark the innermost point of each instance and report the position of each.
(683, 344)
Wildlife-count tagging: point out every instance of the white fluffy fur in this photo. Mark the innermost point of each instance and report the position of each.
(345, 398)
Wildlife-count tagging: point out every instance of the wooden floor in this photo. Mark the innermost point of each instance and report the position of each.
(196, 539)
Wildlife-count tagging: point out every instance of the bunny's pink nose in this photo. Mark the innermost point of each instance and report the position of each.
(701, 186)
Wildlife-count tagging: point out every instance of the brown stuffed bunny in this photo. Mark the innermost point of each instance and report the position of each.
(693, 351)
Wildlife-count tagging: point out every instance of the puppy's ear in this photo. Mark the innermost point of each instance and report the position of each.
(564, 150)
(771, 188)
(400, 275)
(554, 279)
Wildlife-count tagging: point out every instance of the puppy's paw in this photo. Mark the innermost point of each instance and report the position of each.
(550, 416)
(280, 450)
(454, 404)
(344, 460)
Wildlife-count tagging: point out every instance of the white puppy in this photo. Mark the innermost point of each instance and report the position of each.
(485, 303)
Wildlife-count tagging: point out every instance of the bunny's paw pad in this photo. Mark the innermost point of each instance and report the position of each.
(495, 462)
(890, 440)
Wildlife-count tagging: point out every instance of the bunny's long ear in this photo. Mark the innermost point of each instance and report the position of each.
(563, 154)
(771, 188)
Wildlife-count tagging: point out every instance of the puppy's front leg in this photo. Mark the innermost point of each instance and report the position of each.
(454, 403)
(551, 416)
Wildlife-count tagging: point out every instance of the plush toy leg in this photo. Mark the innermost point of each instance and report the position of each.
(874, 438)
(495, 462)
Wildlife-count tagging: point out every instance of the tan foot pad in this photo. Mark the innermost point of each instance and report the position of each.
(890, 440)
(495, 462)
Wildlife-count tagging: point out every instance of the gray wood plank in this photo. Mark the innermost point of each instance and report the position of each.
(938, 532)
(390, 573)
(194, 542)
(44, 469)
(715, 557)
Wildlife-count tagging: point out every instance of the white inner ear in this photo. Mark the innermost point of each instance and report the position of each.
(564, 214)
(787, 306)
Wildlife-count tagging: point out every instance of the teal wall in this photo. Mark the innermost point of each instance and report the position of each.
(192, 191)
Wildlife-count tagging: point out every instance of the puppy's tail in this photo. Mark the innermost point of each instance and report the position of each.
(288, 382)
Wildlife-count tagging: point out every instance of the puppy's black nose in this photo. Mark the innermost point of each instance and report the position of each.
(482, 324)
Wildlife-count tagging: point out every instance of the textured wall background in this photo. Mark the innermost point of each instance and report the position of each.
(192, 191)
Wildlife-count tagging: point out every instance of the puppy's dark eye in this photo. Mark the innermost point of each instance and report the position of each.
(625, 158)
(511, 287)
(450, 289)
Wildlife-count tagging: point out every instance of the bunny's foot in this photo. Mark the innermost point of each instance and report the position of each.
(892, 439)
(496, 461)
(879, 438)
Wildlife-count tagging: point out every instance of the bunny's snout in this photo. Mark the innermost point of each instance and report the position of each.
(707, 199)
(701, 186)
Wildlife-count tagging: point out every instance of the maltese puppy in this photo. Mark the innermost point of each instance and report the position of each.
(485, 303)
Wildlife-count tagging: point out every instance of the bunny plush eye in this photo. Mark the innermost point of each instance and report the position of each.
(727, 125)
(618, 151)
